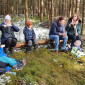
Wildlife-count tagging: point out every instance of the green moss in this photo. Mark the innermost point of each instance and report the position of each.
(49, 68)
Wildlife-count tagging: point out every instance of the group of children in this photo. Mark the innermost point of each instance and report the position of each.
(8, 37)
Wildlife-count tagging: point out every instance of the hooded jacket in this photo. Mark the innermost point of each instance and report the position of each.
(5, 59)
(70, 30)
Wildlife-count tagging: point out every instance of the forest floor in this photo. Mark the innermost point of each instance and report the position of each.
(46, 68)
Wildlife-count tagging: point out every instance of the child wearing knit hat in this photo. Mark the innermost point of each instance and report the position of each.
(8, 37)
(30, 36)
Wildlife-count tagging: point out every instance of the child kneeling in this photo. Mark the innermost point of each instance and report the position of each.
(30, 36)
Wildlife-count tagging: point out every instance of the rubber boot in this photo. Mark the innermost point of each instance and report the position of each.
(12, 49)
(28, 49)
(35, 47)
(6, 50)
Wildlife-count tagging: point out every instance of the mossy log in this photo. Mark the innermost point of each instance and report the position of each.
(41, 42)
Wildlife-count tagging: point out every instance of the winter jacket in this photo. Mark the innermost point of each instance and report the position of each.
(5, 59)
(70, 30)
(7, 32)
(29, 33)
(56, 29)
(3, 67)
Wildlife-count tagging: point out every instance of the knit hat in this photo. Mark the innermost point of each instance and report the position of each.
(77, 43)
(28, 23)
(7, 17)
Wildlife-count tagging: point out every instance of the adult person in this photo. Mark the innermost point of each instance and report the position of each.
(57, 32)
(8, 37)
(73, 28)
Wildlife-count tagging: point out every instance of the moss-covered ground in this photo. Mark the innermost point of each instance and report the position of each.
(48, 68)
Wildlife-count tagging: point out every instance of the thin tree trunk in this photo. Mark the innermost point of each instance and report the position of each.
(31, 9)
(48, 9)
(62, 12)
(52, 12)
(59, 7)
(26, 10)
(83, 11)
(77, 6)
(66, 8)
(3, 7)
(38, 7)
(70, 8)
(41, 10)
(80, 7)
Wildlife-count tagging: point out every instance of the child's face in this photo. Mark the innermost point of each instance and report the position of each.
(7, 21)
(30, 26)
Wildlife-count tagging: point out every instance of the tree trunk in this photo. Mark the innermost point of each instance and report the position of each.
(38, 7)
(59, 7)
(52, 12)
(77, 6)
(26, 10)
(80, 7)
(62, 10)
(41, 10)
(83, 12)
(31, 9)
(48, 9)
(70, 8)
(66, 8)
(3, 7)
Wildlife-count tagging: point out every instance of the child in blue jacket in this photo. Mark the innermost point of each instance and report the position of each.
(7, 62)
(30, 36)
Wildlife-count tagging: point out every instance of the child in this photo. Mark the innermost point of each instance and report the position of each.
(30, 36)
(7, 62)
(8, 37)
(76, 49)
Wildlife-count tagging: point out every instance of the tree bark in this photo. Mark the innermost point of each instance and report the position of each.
(70, 6)
(41, 10)
(38, 7)
(52, 12)
(48, 12)
(77, 6)
(83, 12)
(66, 8)
(26, 10)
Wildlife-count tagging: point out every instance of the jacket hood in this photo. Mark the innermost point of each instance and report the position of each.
(70, 19)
